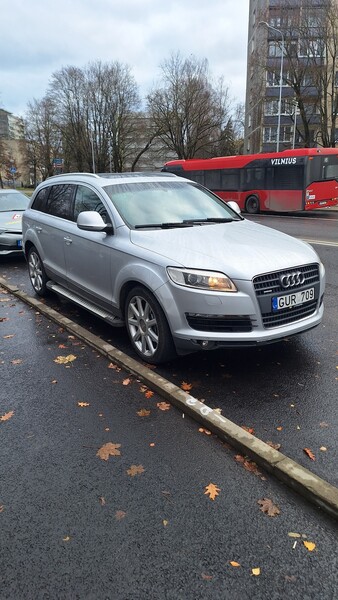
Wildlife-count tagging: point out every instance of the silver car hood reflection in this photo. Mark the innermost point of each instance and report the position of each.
(11, 220)
(241, 249)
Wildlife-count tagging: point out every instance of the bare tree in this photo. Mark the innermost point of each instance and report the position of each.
(189, 113)
(96, 108)
(43, 139)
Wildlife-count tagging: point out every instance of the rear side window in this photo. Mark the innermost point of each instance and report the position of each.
(59, 201)
(87, 199)
(55, 200)
(40, 200)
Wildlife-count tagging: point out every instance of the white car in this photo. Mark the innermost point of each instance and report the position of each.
(182, 270)
(12, 205)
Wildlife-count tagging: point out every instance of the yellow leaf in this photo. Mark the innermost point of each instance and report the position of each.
(294, 535)
(83, 404)
(323, 449)
(163, 405)
(212, 491)
(279, 428)
(234, 563)
(66, 539)
(143, 412)
(63, 360)
(107, 450)
(309, 545)
(8, 337)
(126, 381)
(256, 571)
(165, 523)
(135, 470)
(7, 416)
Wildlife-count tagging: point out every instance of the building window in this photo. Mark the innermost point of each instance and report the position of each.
(273, 77)
(270, 134)
(285, 134)
(311, 48)
(274, 50)
(272, 107)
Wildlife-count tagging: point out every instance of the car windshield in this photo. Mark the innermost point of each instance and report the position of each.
(15, 201)
(168, 204)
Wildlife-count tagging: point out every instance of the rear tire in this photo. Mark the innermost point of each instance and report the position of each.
(148, 328)
(37, 273)
(252, 205)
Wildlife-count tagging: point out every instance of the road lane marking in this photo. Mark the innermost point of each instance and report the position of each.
(320, 242)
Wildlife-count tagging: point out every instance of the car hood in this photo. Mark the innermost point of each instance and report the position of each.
(11, 220)
(241, 249)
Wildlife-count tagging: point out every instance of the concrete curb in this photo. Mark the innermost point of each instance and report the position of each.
(313, 488)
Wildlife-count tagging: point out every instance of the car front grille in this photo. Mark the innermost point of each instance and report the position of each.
(219, 323)
(268, 285)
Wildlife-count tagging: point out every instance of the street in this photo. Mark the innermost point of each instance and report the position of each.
(142, 523)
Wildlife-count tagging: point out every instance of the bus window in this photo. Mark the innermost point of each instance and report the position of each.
(330, 168)
(253, 179)
(288, 179)
(212, 179)
(197, 176)
(230, 179)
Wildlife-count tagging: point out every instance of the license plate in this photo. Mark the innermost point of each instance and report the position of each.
(19, 243)
(291, 300)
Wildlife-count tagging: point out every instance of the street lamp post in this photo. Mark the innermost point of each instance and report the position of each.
(280, 79)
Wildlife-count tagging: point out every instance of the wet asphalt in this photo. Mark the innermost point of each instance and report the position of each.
(139, 525)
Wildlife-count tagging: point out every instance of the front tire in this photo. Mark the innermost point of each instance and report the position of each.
(37, 273)
(252, 205)
(147, 327)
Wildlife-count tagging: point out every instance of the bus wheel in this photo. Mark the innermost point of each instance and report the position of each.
(252, 205)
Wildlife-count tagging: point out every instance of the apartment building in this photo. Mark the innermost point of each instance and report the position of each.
(291, 92)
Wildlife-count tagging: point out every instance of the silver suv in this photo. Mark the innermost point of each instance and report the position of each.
(167, 258)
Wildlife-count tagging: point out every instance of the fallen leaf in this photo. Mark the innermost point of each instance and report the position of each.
(62, 346)
(107, 450)
(143, 412)
(152, 445)
(290, 578)
(8, 337)
(256, 571)
(309, 545)
(212, 491)
(323, 449)
(279, 428)
(149, 394)
(309, 453)
(83, 404)
(206, 577)
(135, 470)
(165, 522)
(248, 464)
(268, 507)
(66, 539)
(323, 424)
(234, 563)
(163, 405)
(119, 515)
(248, 429)
(102, 500)
(274, 446)
(63, 360)
(186, 386)
(2, 508)
(126, 381)
(205, 431)
(54, 381)
(7, 416)
(294, 535)
(16, 361)
(113, 366)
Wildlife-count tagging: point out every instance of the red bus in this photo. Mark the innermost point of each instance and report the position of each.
(291, 180)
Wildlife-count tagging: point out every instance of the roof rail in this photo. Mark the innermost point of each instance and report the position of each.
(74, 173)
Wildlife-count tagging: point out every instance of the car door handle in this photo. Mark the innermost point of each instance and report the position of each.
(68, 240)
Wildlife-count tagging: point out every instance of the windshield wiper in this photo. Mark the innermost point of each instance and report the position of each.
(210, 220)
(165, 225)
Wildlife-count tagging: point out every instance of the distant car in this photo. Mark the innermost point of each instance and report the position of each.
(12, 205)
(180, 268)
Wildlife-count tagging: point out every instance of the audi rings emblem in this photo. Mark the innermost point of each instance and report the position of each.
(292, 279)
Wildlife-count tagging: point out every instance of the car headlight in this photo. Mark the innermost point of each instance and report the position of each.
(203, 280)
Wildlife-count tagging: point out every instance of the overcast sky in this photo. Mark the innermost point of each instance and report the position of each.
(39, 37)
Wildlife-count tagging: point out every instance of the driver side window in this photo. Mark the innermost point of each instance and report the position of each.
(87, 199)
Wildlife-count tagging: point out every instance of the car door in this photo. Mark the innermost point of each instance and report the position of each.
(88, 253)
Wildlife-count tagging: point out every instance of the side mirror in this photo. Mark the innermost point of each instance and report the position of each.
(89, 220)
(234, 206)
